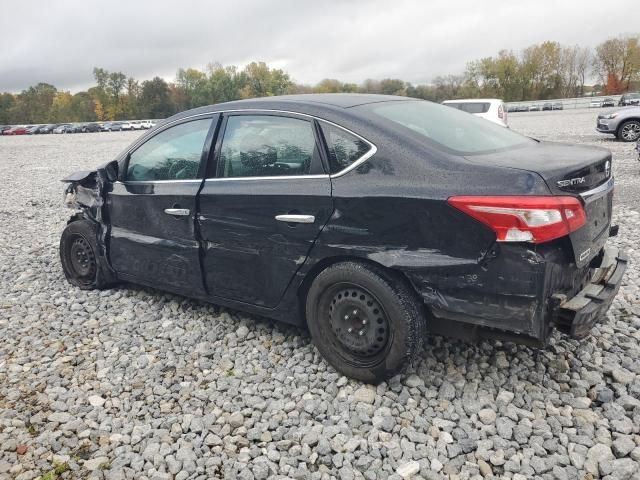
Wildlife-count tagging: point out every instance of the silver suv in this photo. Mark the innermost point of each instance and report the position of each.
(623, 123)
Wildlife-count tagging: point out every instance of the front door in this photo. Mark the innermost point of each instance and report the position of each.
(263, 210)
(152, 209)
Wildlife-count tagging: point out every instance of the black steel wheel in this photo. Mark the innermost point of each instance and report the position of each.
(83, 259)
(366, 322)
(358, 321)
(79, 257)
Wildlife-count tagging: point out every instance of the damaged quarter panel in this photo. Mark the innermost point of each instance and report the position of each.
(392, 210)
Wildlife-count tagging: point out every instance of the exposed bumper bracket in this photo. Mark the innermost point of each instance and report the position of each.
(577, 315)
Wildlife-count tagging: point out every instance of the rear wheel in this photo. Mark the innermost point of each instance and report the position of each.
(79, 256)
(629, 131)
(367, 323)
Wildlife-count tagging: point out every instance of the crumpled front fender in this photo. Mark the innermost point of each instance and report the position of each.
(86, 193)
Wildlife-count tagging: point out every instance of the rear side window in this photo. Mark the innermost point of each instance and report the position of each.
(344, 148)
(173, 154)
(470, 107)
(266, 146)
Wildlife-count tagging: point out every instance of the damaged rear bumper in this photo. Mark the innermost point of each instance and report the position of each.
(576, 316)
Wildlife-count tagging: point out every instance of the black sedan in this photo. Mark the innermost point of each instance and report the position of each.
(89, 127)
(370, 219)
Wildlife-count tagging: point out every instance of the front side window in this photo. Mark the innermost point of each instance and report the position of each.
(266, 146)
(173, 154)
(344, 148)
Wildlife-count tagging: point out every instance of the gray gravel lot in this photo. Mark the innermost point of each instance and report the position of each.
(136, 383)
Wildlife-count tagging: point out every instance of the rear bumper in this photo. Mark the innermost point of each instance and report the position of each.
(576, 316)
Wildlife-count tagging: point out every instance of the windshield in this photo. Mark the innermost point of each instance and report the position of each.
(450, 128)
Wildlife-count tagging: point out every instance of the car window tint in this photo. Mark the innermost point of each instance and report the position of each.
(173, 154)
(344, 148)
(265, 146)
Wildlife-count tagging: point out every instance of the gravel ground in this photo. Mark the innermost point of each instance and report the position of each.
(135, 383)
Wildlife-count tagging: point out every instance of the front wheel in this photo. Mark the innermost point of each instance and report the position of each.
(79, 256)
(366, 322)
(629, 131)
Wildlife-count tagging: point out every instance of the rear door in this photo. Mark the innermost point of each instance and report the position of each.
(261, 209)
(152, 208)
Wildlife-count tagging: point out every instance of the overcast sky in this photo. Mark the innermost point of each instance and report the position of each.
(60, 41)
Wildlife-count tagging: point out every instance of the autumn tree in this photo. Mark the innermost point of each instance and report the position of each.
(617, 62)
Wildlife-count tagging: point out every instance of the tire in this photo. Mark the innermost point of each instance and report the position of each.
(629, 131)
(367, 323)
(79, 256)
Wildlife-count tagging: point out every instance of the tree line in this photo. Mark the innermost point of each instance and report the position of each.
(541, 71)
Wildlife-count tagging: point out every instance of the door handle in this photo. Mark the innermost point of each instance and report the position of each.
(290, 218)
(177, 211)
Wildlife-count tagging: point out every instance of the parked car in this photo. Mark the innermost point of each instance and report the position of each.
(89, 127)
(146, 124)
(126, 126)
(623, 123)
(33, 129)
(595, 103)
(61, 128)
(629, 99)
(136, 125)
(608, 102)
(491, 109)
(112, 127)
(3, 128)
(48, 128)
(547, 106)
(522, 108)
(534, 108)
(340, 232)
(16, 130)
(558, 106)
(512, 108)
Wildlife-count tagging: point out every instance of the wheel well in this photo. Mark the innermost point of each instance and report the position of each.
(625, 121)
(325, 263)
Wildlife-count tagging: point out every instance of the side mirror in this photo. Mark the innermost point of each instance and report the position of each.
(109, 171)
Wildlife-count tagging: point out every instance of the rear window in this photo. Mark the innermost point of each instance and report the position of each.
(470, 107)
(455, 131)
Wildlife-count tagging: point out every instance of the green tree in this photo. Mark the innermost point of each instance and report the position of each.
(193, 84)
(33, 104)
(155, 99)
(6, 103)
(393, 86)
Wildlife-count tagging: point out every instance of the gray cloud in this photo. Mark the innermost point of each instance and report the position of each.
(60, 42)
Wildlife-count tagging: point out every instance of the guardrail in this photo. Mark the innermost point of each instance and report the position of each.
(578, 102)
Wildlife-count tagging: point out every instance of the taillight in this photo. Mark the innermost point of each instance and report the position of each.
(524, 219)
(500, 111)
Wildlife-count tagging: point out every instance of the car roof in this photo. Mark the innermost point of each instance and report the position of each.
(341, 100)
(331, 104)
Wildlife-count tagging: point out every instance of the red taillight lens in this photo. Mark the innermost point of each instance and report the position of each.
(524, 219)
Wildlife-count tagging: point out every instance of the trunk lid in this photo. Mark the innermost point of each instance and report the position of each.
(569, 170)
